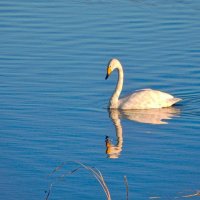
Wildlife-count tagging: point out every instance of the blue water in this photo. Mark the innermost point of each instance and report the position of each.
(53, 97)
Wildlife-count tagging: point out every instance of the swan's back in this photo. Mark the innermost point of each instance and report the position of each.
(146, 99)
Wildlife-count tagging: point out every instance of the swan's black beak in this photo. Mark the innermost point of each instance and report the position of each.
(107, 75)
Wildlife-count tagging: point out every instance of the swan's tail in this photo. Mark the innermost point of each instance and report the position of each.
(174, 100)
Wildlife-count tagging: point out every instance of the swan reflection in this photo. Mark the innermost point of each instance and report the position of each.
(150, 116)
(113, 151)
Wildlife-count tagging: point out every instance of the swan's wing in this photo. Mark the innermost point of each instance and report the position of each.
(147, 98)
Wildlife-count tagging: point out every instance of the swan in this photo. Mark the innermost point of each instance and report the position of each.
(141, 99)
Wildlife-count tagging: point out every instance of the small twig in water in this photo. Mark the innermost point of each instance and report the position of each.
(95, 172)
(59, 178)
(126, 184)
(192, 195)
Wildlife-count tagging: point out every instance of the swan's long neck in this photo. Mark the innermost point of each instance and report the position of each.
(115, 97)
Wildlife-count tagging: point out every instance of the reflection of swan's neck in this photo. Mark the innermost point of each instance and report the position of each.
(114, 115)
(119, 132)
(114, 98)
(114, 151)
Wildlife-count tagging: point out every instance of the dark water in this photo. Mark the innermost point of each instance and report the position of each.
(53, 97)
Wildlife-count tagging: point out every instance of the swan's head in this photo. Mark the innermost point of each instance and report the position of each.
(112, 65)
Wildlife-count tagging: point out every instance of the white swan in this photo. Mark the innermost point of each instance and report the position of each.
(142, 99)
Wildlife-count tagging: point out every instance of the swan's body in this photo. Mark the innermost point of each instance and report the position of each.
(142, 99)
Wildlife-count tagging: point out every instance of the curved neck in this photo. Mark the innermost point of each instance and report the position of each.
(118, 129)
(115, 150)
(115, 97)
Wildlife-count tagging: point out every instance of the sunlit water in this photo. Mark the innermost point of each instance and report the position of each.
(53, 98)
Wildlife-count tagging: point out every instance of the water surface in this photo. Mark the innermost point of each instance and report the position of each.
(53, 58)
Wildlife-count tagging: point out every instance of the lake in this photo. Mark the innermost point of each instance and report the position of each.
(53, 104)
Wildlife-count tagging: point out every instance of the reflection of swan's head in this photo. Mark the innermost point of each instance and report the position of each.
(112, 65)
(113, 151)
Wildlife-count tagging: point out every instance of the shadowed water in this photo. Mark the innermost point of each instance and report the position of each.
(53, 58)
